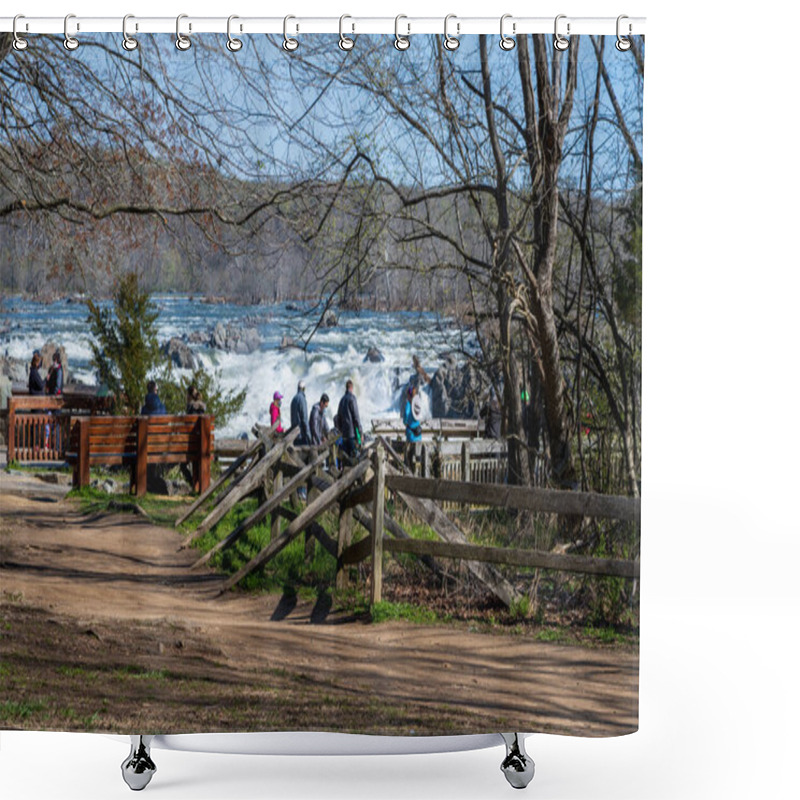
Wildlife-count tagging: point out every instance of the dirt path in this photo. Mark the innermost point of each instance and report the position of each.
(103, 626)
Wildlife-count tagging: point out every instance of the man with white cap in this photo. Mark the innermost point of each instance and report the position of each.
(299, 414)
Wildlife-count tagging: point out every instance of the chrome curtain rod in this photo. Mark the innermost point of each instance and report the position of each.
(406, 25)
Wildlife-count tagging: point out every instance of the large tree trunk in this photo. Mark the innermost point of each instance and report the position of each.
(518, 467)
(546, 121)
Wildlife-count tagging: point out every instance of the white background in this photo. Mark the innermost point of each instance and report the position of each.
(720, 604)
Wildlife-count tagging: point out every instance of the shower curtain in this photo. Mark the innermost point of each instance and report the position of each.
(349, 432)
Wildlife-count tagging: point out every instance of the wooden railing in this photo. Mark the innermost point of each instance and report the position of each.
(422, 496)
(275, 472)
(443, 428)
(38, 428)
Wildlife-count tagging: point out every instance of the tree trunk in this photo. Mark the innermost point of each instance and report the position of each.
(545, 128)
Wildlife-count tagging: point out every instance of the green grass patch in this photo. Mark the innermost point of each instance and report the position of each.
(385, 611)
(75, 672)
(12, 709)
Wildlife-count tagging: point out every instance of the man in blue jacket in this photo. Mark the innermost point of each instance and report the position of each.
(299, 414)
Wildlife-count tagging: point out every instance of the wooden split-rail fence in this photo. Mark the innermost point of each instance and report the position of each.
(275, 469)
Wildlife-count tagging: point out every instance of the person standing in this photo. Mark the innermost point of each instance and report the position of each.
(275, 412)
(413, 427)
(55, 377)
(349, 421)
(299, 414)
(35, 380)
(317, 422)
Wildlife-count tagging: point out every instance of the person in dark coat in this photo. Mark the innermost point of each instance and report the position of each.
(299, 414)
(35, 380)
(317, 422)
(493, 415)
(349, 421)
(194, 401)
(153, 407)
(55, 377)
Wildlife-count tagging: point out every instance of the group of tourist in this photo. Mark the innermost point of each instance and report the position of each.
(154, 406)
(53, 383)
(314, 427)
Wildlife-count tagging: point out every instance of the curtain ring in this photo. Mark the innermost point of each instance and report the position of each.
(344, 41)
(18, 42)
(289, 44)
(401, 42)
(451, 42)
(560, 42)
(182, 41)
(234, 45)
(506, 42)
(128, 42)
(623, 43)
(70, 42)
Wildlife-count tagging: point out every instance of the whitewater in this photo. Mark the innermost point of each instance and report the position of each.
(333, 355)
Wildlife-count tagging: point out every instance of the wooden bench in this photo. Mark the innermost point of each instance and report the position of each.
(139, 441)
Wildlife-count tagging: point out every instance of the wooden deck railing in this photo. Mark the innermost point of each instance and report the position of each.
(38, 428)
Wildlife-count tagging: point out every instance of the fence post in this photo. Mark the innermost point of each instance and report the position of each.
(12, 431)
(345, 538)
(277, 485)
(465, 454)
(379, 464)
(80, 477)
(204, 477)
(425, 462)
(142, 424)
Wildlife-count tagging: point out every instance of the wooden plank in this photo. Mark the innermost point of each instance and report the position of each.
(376, 588)
(617, 568)
(312, 510)
(363, 494)
(343, 544)
(141, 456)
(12, 432)
(255, 447)
(206, 447)
(261, 512)
(247, 483)
(357, 552)
(277, 485)
(465, 462)
(313, 528)
(82, 468)
(35, 402)
(545, 500)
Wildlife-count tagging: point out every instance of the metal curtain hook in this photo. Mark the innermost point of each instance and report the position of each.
(451, 42)
(70, 42)
(623, 43)
(18, 42)
(128, 42)
(401, 42)
(289, 44)
(506, 42)
(234, 45)
(560, 42)
(182, 41)
(344, 41)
